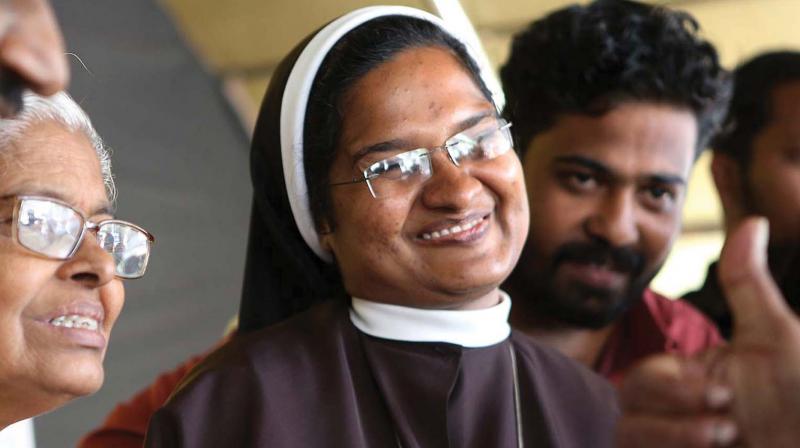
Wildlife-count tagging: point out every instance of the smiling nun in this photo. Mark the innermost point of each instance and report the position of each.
(389, 206)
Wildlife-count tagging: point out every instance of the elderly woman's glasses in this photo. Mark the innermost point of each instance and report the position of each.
(393, 175)
(54, 229)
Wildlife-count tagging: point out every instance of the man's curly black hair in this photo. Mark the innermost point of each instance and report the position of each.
(751, 106)
(588, 59)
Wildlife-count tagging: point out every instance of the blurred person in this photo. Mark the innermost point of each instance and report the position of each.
(386, 187)
(611, 103)
(60, 288)
(756, 169)
(744, 394)
(125, 426)
(31, 52)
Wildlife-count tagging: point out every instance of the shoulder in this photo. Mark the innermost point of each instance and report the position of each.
(667, 307)
(559, 384)
(557, 369)
(240, 381)
(285, 345)
(688, 328)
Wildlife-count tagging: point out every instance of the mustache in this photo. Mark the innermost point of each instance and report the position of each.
(621, 259)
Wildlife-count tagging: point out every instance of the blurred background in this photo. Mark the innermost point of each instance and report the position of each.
(174, 87)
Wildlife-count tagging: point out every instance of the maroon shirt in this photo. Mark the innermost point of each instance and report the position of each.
(655, 325)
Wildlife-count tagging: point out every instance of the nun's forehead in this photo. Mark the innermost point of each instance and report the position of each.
(399, 98)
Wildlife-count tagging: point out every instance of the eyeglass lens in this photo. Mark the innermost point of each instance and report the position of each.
(392, 176)
(54, 230)
(128, 245)
(48, 228)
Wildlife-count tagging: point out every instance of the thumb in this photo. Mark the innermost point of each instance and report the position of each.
(756, 302)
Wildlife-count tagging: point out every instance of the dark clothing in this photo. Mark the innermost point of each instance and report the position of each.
(317, 381)
(711, 301)
(655, 325)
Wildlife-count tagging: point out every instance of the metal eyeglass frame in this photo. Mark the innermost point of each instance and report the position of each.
(86, 225)
(504, 125)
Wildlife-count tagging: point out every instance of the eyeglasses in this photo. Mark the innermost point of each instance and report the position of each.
(55, 229)
(395, 175)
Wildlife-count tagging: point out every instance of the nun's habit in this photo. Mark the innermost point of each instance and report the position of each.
(355, 373)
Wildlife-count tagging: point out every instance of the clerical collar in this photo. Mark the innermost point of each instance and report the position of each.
(467, 328)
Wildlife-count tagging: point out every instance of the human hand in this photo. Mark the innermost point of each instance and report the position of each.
(746, 393)
(31, 52)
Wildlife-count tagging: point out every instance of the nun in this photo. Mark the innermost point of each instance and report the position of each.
(389, 205)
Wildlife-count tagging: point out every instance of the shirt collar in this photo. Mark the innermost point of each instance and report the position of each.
(467, 328)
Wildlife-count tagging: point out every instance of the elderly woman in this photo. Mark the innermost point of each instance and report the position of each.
(386, 182)
(62, 257)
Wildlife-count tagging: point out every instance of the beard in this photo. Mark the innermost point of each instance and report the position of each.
(577, 304)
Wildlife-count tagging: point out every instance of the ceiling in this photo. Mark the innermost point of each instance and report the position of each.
(242, 41)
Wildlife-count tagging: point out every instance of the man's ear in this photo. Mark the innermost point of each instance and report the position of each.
(728, 178)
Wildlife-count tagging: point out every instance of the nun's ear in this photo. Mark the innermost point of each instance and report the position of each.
(325, 232)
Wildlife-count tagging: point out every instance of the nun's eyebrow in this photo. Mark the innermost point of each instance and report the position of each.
(475, 119)
(389, 145)
(399, 143)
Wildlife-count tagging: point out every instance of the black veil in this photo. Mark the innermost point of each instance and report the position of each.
(282, 276)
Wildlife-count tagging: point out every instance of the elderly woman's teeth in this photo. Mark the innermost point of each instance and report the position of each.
(75, 321)
(452, 230)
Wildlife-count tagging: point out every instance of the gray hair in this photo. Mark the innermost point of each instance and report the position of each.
(62, 109)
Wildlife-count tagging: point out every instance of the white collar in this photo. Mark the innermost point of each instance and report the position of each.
(467, 328)
(18, 435)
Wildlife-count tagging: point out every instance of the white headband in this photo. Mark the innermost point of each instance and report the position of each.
(298, 89)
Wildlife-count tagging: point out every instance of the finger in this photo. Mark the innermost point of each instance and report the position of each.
(33, 48)
(669, 384)
(756, 302)
(704, 431)
(6, 18)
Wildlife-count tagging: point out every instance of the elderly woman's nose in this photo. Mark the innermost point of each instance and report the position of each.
(91, 265)
(450, 186)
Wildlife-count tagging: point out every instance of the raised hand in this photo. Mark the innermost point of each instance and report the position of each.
(746, 393)
(31, 52)
(762, 363)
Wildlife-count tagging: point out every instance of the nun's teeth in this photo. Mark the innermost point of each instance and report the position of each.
(75, 321)
(452, 230)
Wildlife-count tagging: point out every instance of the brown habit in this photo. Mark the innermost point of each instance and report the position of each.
(317, 381)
